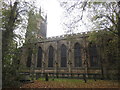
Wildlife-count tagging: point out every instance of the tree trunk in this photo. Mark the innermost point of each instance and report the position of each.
(118, 61)
(118, 29)
(7, 35)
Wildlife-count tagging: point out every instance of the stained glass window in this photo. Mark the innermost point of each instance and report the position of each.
(29, 58)
(93, 55)
(50, 56)
(39, 59)
(77, 55)
(63, 56)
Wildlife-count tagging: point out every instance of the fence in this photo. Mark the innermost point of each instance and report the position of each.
(83, 76)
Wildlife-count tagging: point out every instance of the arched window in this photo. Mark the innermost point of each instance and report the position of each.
(29, 58)
(63, 56)
(39, 59)
(93, 55)
(50, 56)
(77, 55)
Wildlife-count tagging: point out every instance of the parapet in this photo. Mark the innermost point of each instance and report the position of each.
(81, 34)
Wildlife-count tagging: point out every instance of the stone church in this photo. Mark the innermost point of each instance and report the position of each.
(64, 54)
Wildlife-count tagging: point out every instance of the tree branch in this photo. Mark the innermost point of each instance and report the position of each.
(110, 20)
(111, 30)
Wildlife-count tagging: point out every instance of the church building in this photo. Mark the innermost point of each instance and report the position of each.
(71, 53)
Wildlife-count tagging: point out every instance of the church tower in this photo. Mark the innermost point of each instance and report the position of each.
(42, 25)
(37, 27)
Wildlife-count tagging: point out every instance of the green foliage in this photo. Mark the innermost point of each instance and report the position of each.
(11, 19)
(33, 27)
(107, 44)
(108, 18)
(63, 80)
(10, 68)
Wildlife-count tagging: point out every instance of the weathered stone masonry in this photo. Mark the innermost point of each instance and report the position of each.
(66, 54)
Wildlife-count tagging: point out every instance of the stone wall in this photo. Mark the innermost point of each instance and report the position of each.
(69, 41)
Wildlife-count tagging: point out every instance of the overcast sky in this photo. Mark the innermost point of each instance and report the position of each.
(54, 16)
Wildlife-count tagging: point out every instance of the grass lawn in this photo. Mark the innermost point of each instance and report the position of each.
(71, 83)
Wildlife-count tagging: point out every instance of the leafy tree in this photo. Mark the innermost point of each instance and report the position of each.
(104, 16)
(33, 27)
(12, 18)
(9, 19)
(108, 18)
(107, 51)
(105, 11)
(32, 35)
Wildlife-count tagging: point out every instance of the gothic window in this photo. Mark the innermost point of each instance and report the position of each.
(77, 55)
(39, 59)
(29, 58)
(50, 56)
(93, 55)
(63, 56)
